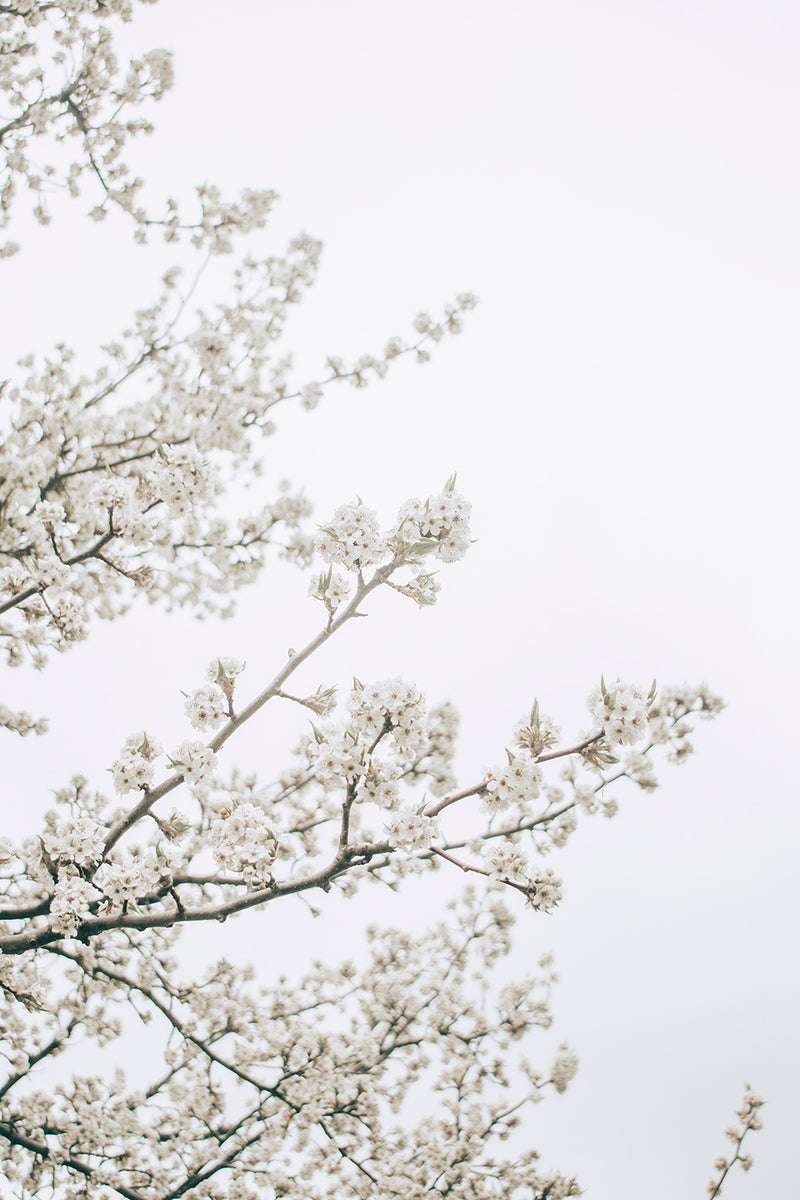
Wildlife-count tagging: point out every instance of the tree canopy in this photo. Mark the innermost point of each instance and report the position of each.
(402, 1076)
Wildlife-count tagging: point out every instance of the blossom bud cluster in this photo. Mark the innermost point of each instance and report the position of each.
(331, 588)
(244, 842)
(536, 734)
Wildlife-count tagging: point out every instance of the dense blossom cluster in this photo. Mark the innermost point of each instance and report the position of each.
(409, 830)
(442, 520)
(135, 766)
(125, 882)
(182, 478)
(244, 842)
(80, 841)
(71, 903)
(265, 1090)
(353, 538)
(438, 526)
(207, 707)
(195, 761)
(520, 782)
(622, 713)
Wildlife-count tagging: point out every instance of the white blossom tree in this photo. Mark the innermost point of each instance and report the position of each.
(402, 1077)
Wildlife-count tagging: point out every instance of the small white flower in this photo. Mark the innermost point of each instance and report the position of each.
(245, 842)
(71, 903)
(224, 668)
(206, 708)
(520, 782)
(353, 538)
(409, 830)
(621, 712)
(195, 761)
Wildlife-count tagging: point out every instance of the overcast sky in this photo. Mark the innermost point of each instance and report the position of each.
(619, 183)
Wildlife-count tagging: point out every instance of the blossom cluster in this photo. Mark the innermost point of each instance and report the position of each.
(507, 861)
(410, 830)
(71, 904)
(392, 709)
(331, 588)
(437, 526)
(391, 706)
(195, 761)
(134, 767)
(564, 1069)
(353, 537)
(243, 841)
(206, 707)
(124, 882)
(126, 501)
(80, 841)
(621, 713)
(182, 478)
(519, 782)
(441, 520)
(21, 722)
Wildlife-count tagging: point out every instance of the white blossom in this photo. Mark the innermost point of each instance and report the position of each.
(519, 782)
(244, 842)
(182, 478)
(224, 668)
(134, 767)
(353, 538)
(442, 519)
(206, 707)
(80, 841)
(195, 761)
(71, 903)
(621, 713)
(331, 588)
(564, 1069)
(409, 830)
